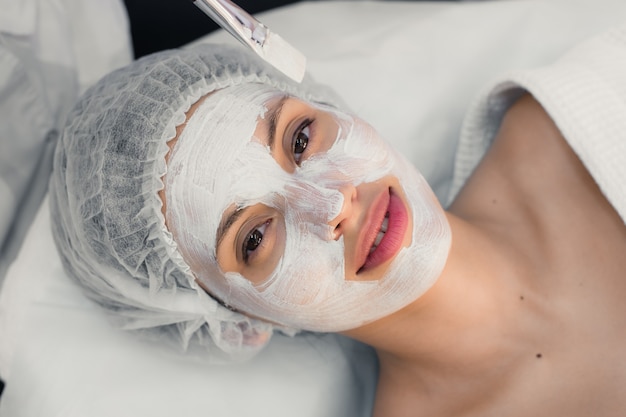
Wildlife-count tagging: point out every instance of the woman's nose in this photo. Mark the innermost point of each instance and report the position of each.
(339, 222)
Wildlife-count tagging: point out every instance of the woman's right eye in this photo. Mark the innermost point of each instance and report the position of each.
(300, 141)
(253, 240)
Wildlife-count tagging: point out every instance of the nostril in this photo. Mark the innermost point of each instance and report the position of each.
(345, 211)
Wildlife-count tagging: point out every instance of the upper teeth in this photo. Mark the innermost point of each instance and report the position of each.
(381, 232)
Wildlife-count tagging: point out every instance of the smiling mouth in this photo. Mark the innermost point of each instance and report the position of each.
(387, 241)
(381, 232)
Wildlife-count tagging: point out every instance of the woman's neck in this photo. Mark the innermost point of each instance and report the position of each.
(471, 335)
(482, 317)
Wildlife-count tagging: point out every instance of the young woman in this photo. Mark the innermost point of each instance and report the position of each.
(201, 194)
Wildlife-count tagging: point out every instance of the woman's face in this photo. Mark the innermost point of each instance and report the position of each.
(300, 214)
(251, 239)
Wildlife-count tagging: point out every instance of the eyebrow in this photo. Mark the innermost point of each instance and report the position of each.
(273, 114)
(227, 223)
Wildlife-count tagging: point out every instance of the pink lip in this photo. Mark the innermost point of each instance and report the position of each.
(391, 242)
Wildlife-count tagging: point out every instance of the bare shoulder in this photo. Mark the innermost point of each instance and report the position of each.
(529, 164)
(533, 150)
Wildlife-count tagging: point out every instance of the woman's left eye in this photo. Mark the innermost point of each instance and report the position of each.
(253, 240)
(300, 140)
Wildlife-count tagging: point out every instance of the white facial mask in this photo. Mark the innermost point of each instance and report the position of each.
(217, 163)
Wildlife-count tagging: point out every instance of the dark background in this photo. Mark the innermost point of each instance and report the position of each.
(165, 24)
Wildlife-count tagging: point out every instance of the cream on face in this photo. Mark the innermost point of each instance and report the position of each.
(218, 163)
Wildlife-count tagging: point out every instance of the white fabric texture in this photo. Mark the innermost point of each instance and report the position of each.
(584, 93)
(69, 362)
(44, 66)
(50, 51)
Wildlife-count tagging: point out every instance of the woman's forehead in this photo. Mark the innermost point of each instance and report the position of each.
(216, 162)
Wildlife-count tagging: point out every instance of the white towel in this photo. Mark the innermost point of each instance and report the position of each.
(585, 94)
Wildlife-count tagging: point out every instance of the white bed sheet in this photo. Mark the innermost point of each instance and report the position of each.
(409, 68)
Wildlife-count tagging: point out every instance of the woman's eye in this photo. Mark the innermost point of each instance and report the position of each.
(301, 140)
(253, 240)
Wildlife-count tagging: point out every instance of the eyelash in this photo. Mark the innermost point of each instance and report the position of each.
(256, 240)
(305, 125)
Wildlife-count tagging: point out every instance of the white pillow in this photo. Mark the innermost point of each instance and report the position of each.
(410, 69)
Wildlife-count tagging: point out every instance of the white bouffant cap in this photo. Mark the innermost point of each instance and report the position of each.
(106, 211)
